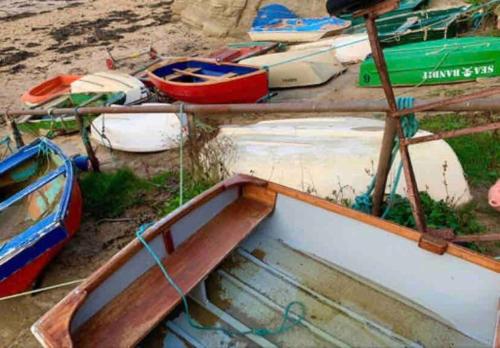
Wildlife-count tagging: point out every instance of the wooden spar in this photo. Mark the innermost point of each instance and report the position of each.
(86, 142)
(384, 163)
(222, 110)
(15, 131)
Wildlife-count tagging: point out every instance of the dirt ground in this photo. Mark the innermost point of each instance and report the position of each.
(46, 38)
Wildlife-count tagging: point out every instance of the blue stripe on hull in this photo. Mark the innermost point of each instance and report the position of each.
(24, 258)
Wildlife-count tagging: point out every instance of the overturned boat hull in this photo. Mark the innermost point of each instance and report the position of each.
(128, 296)
(439, 62)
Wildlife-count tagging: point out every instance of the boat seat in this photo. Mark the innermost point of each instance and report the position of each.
(177, 74)
(150, 298)
(206, 77)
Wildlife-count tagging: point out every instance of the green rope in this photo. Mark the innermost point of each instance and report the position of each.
(409, 123)
(287, 324)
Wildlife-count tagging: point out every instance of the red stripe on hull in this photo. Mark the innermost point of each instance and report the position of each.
(23, 279)
(237, 90)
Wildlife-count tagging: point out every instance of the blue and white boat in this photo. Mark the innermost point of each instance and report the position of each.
(275, 22)
(40, 210)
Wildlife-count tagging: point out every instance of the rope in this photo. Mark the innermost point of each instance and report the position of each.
(410, 126)
(32, 292)
(288, 323)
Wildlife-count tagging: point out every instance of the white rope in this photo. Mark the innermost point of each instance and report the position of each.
(52, 287)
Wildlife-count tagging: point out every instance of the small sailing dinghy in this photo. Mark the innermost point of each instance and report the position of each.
(275, 22)
(207, 82)
(50, 125)
(347, 48)
(235, 52)
(244, 251)
(105, 82)
(440, 61)
(40, 211)
(139, 132)
(309, 67)
(49, 89)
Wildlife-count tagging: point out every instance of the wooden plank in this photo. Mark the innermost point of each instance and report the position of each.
(206, 77)
(136, 311)
(176, 74)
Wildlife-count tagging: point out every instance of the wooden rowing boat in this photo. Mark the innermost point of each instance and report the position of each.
(246, 248)
(202, 81)
(40, 211)
(275, 22)
(440, 61)
(139, 132)
(49, 125)
(308, 67)
(235, 52)
(49, 89)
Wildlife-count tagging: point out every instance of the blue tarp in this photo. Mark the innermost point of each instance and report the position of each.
(277, 17)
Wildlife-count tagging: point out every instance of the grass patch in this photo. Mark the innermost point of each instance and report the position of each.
(109, 195)
(439, 214)
(479, 154)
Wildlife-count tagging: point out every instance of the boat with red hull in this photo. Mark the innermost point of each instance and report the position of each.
(40, 210)
(201, 81)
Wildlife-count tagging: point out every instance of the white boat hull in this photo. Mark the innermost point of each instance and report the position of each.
(138, 132)
(298, 69)
(335, 157)
(112, 82)
(292, 36)
(346, 48)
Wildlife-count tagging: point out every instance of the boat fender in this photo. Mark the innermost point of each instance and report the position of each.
(81, 162)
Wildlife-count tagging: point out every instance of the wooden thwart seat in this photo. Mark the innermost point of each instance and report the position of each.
(193, 73)
(150, 298)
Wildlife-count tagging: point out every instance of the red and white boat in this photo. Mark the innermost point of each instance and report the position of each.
(202, 81)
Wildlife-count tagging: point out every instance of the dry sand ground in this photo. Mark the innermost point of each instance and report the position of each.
(72, 39)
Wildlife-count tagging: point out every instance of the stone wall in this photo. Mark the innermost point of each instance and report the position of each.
(234, 17)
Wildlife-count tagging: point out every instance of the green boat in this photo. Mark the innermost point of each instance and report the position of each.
(405, 7)
(51, 126)
(418, 26)
(437, 62)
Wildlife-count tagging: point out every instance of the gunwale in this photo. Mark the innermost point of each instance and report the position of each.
(152, 75)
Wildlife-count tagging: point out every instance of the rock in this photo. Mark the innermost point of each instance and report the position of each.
(234, 17)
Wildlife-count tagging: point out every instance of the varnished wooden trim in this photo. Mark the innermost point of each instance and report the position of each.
(168, 241)
(56, 333)
(405, 232)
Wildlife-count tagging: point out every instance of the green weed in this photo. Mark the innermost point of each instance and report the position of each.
(479, 154)
(439, 214)
(108, 195)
